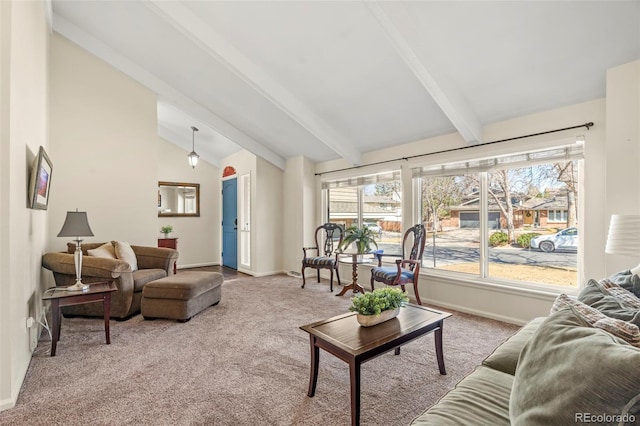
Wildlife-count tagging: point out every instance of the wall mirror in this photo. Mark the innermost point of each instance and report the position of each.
(178, 199)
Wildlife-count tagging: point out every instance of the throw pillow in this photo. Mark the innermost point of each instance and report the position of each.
(594, 295)
(570, 373)
(625, 296)
(125, 252)
(106, 250)
(594, 318)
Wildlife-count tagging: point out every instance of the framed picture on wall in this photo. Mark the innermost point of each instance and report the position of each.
(40, 182)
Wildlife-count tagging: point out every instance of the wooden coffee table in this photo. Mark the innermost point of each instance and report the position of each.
(343, 337)
(59, 297)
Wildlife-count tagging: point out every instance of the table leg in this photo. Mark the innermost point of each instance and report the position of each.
(357, 288)
(107, 314)
(439, 354)
(354, 373)
(55, 325)
(315, 361)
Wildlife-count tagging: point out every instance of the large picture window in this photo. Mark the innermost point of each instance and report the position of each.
(374, 201)
(512, 218)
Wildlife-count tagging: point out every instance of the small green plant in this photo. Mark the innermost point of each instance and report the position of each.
(378, 300)
(167, 229)
(524, 240)
(498, 239)
(363, 237)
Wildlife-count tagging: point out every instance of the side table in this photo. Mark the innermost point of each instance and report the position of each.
(59, 297)
(171, 243)
(354, 259)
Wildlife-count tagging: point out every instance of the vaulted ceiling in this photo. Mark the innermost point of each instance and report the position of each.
(336, 79)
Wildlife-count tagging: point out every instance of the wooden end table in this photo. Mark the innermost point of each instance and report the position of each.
(59, 297)
(354, 259)
(344, 338)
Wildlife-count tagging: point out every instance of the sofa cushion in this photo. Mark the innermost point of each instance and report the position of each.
(505, 357)
(106, 250)
(481, 398)
(569, 370)
(144, 276)
(627, 280)
(597, 297)
(125, 252)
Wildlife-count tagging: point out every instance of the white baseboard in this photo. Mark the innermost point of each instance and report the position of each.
(198, 265)
(260, 274)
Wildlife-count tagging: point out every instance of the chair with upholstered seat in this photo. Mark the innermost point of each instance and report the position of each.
(407, 267)
(332, 234)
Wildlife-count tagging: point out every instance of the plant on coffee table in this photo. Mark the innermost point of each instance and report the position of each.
(379, 300)
(378, 306)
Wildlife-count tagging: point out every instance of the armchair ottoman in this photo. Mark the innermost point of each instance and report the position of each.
(153, 263)
(181, 296)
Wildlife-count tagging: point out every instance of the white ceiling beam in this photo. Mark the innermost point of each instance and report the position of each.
(192, 27)
(166, 91)
(448, 98)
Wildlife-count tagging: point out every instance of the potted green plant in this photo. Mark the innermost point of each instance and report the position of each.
(362, 237)
(166, 230)
(378, 306)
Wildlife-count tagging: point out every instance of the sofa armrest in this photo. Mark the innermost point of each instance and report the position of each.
(155, 257)
(101, 267)
(505, 357)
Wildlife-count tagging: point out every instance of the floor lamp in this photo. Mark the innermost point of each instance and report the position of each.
(624, 237)
(76, 225)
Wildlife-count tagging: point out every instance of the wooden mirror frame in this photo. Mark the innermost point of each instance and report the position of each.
(196, 186)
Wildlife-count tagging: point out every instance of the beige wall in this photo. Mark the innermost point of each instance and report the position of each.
(269, 225)
(299, 219)
(622, 151)
(198, 237)
(24, 39)
(104, 148)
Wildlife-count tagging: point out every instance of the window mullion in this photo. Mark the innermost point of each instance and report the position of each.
(484, 225)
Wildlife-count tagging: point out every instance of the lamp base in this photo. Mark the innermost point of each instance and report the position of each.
(78, 286)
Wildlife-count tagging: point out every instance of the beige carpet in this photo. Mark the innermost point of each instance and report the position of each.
(243, 362)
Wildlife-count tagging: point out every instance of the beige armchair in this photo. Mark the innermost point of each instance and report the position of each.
(153, 263)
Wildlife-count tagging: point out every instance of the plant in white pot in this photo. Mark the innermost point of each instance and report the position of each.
(166, 230)
(378, 306)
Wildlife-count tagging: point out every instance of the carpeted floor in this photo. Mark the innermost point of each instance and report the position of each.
(242, 362)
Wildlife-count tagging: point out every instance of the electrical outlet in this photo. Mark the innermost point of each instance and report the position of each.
(30, 322)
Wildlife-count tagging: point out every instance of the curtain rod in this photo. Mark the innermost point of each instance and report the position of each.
(587, 125)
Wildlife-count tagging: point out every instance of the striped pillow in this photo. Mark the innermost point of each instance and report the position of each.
(626, 331)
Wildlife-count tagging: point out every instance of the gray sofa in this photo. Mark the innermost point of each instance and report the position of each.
(556, 370)
(153, 263)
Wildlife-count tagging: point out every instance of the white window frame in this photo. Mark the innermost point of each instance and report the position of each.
(482, 166)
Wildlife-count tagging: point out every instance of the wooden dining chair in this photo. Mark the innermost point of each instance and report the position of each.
(326, 258)
(407, 267)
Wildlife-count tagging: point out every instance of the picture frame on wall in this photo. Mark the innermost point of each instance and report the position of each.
(40, 181)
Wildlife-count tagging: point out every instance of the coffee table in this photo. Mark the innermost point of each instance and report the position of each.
(59, 297)
(344, 338)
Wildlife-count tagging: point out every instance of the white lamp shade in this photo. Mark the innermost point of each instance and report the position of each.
(624, 235)
(76, 225)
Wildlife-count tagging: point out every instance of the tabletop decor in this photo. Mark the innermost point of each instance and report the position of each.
(378, 306)
(362, 237)
(166, 230)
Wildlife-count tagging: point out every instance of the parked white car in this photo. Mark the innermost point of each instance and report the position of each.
(567, 239)
(374, 227)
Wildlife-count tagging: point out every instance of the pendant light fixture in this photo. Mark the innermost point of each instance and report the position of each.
(193, 157)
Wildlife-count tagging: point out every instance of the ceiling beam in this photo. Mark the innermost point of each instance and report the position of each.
(166, 91)
(446, 95)
(200, 33)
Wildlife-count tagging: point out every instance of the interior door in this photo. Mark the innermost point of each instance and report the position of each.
(230, 223)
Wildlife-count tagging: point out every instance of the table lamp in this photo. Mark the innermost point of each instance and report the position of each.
(76, 225)
(624, 237)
